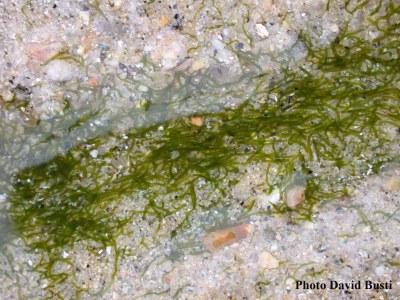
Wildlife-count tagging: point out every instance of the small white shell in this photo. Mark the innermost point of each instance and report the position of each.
(60, 70)
(295, 196)
(267, 260)
(262, 31)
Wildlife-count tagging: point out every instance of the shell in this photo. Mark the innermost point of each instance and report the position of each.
(392, 184)
(219, 239)
(268, 261)
(295, 196)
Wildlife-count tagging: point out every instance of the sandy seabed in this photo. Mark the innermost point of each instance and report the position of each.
(351, 249)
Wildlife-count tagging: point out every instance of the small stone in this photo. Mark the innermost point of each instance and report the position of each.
(217, 43)
(81, 50)
(197, 65)
(143, 103)
(85, 17)
(295, 196)
(274, 196)
(65, 254)
(6, 95)
(262, 31)
(94, 153)
(265, 201)
(392, 184)
(117, 4)
(239, 46)
(60, 70)
(166, 47)
(175, 154)
(334, 28)
(285, 25)
(143, 88)
(197, 121)
(164, 21)
(267, 260)
(379, 270)
(289, 281)
(373, 34)
(366, 229)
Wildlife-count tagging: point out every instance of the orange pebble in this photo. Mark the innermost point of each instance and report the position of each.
(92, 81)
(197, 121)
(216, 240)
(164, 21)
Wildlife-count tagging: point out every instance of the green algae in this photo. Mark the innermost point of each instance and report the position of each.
(24, 8)
(332, 113)
(261, 287)
(63, 55)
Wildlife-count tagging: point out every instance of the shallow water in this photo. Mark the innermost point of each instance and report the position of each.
(120, 172)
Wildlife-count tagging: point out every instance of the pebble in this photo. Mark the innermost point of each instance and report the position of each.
(175, 154)
(273, 198)
(2, 198)
(379, 270)
(60, 70)
(197, 65)
(267, 260)
(197, 121)
(334, 27)
(94, 153)
(289, 281)
(295, 196)
(373, 34)
(84, 16)
(164, 21)
(166, 47)
(143, 88)
(7, 95)
(392, 184)
(262, 31)
(285, 25)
